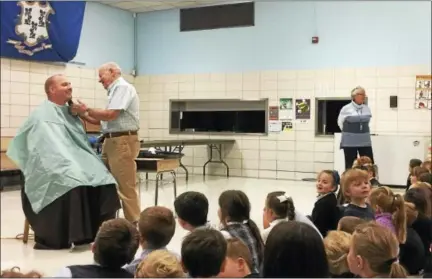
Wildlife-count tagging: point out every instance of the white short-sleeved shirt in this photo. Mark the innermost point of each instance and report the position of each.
(122, 96)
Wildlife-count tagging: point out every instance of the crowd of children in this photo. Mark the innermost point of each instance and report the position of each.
(358, 228)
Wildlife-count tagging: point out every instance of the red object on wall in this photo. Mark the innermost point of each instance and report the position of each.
(315, 40)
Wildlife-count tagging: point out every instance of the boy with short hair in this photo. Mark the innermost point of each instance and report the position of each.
(238, 261)
(115, 245)
(356, 189)
(192, 209)
(156, 228)
(203, 253)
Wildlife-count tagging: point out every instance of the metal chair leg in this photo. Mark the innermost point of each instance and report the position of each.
(157, 189)
(174, 183)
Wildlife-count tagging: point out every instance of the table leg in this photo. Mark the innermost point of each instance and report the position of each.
(180, 149)
(218, 147)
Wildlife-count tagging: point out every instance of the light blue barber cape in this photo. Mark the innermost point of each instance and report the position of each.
(54, 154)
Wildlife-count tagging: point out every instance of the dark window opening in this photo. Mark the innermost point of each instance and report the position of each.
(327, 115)
(223, 121)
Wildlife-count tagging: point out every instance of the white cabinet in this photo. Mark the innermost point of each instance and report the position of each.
(392, 154)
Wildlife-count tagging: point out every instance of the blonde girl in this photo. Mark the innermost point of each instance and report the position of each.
(374, 252)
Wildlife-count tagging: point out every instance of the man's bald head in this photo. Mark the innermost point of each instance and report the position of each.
(108, 73)
(50, 82)
(58, 89)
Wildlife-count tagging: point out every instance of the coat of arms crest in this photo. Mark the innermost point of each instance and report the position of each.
(32, 27)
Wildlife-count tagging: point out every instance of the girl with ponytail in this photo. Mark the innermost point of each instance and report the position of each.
(374, 252)
(390, 211)
(234, 215)
(278, 208)
(325, 214)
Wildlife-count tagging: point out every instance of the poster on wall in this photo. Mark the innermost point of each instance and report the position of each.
(303, 109)
(285, 108)
(287, 126)
(273, 113)
(423, 93)
(274, 126)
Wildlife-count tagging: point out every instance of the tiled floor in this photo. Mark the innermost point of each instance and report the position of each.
(14, 252)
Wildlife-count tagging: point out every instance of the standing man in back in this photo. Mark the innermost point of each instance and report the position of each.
(120, 124)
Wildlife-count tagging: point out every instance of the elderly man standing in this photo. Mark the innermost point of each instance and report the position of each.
(68, 191)
(120, 124)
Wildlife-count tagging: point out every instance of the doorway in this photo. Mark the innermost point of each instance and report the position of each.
(327, 114)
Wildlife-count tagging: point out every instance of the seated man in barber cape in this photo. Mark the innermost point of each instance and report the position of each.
(68, 191)
(354, 121)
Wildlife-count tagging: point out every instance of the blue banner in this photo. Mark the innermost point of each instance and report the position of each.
(41, 30)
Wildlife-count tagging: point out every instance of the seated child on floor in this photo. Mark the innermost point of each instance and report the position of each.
(372, 175)
(15, 272)
(349, 223)
(337, 245)
(234, 216)
(356, 190)
(192, 209)
(362, 161)
(156, 228)
(203, 253)
(374, 252)
(279, 208)
(421, 197)
(238, 262)
(427, 165)
(425, 177)
(365, 163)
(412, 164)
(160, 264)
(416, 173)
(412, 255)
(294, 250)
(325, 214)
(115, 245)
(390, 211)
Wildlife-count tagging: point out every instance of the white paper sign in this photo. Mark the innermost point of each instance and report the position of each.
(274, 126)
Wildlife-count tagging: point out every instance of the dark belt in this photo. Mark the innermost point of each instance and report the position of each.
(120, 134)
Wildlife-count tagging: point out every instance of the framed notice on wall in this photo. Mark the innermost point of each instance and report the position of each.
(423, 98)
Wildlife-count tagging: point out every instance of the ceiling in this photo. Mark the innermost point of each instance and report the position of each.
(156, 5)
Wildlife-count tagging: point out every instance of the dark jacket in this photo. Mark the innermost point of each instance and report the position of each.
(412, 254)
(423, 226)
(325, 214)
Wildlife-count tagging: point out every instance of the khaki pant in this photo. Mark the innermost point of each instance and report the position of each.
(119, 155)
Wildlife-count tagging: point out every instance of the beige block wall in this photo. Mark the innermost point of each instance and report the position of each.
(299, 153)
(22, 89)
(294, 155)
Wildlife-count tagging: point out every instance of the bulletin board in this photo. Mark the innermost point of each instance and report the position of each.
(423, 92)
